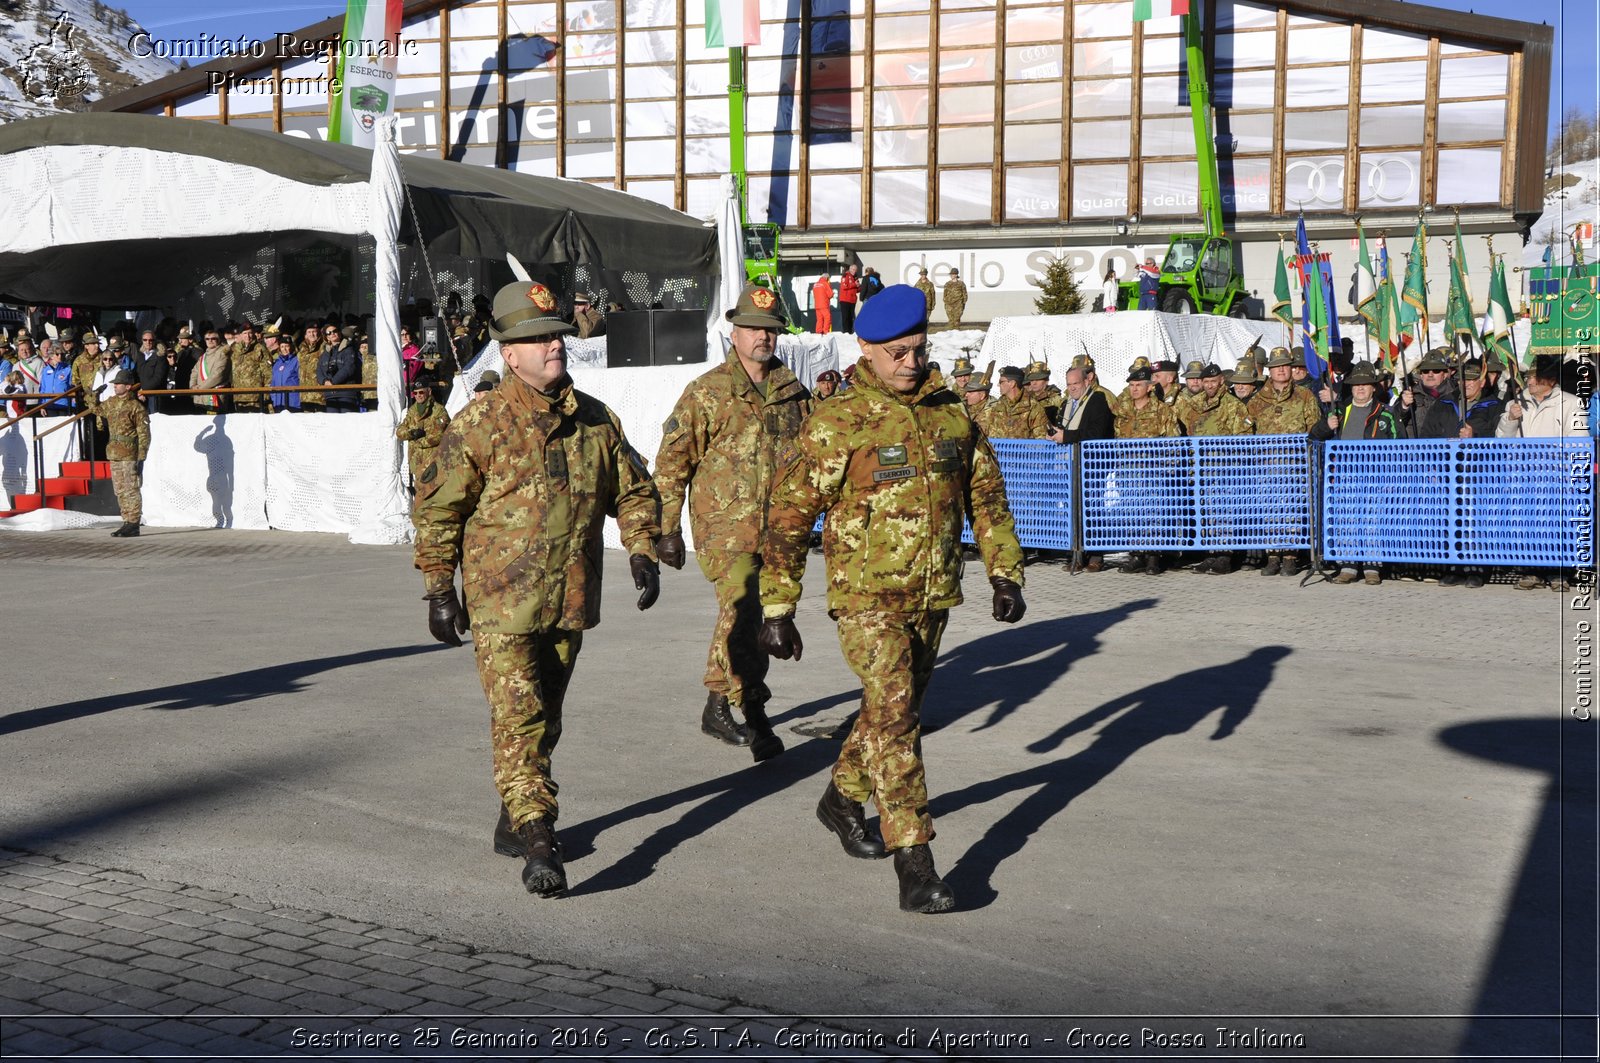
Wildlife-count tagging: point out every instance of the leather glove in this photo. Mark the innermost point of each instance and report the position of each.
(780, 639)
(1008, 604)
(670, 549)
(138, 468)
(646, 577)
(447, 620)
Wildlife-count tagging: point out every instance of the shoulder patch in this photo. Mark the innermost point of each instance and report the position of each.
(672, 425)
(430, 474)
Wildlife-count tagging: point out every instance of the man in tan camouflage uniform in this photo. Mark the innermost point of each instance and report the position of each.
(252, 368)
(310, 352)
(1036, 381)
(895, 465)
(127, 443)
(1013, 415)
(955, 298)
(975, 398)
(721, 447)
(1143, 416)
(517, 496)
(1191, 391)
(925, 286)
(422, 428)
(1282, 408)
(961, 375)
(1214, 412)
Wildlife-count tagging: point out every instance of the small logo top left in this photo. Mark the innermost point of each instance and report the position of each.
(54, 70)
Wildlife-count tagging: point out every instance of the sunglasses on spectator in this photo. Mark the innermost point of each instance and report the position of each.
(216, 338)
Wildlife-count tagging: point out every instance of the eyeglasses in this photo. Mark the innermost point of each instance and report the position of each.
(213, 339)
(900, 354)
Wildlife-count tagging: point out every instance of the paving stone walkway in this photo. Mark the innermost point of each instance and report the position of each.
(103, 962)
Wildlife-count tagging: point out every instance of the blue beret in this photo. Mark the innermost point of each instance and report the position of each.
(898, 310)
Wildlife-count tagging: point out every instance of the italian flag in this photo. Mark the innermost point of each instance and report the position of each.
(734, 23)
(1144, 10)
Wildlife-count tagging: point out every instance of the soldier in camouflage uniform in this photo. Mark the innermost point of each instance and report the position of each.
(422, 428)
(310, 352)
(127, 444)
(1191, 391)
(1036, 381)
(721, 448)
(895, 465)
(975, 398)
(1013, 415)
(369, 373)
(961, 375)
(955, 298)
(1143, 416)
(252, 368)
(518, 496)
(1216, 413)
(925, 286)
(84, 367)
(1281, 408)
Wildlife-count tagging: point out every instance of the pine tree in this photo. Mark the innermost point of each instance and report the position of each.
(1059, 292)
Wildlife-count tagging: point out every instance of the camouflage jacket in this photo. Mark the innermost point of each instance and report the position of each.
(308, 356)
(955, 296)
(1155, 420)
(1019, 418)
(518, 494)
(589, 323)
(423, 427)
(895, 474)
(127, 428)
(722, 447)
(1184, 400)
(925, 286)
(369, 375)
(252, 368)
(1291, 413)
(83, 371)
(1222, 416)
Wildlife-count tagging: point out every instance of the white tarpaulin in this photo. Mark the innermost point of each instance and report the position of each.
(1115, 340)
(207, 472)
(325, 471)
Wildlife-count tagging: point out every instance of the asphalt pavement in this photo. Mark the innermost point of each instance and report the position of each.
(1189, 815)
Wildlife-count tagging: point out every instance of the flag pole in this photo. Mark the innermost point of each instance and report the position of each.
(736, 130)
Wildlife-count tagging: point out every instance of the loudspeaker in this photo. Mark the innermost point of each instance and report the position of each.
(432, 333)
(655, 337)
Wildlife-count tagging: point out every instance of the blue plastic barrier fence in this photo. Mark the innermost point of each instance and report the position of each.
(1039, 491)
(1252, 493)
(1524, 502)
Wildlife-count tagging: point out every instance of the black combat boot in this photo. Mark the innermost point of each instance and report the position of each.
(127, 531)
(1132, 566)
(1271, 567)
(1291, 565)
(1152, 564)
(718, 722)
(844, 817)
(543, 873)
(507, 842)
(764, 744)
(921, 888)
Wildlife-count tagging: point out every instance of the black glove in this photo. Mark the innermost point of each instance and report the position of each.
(446, 618)
(138, 468)
(646, 577)
(1008, 604)
(670, 549)
(780, 639)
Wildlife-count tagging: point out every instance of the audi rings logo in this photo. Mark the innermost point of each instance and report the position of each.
(1385, 179)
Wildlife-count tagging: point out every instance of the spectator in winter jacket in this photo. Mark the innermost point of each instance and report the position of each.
(285, 374)
(1364, 417)
(871, 284)
(1445, 418)
(340, 364)
(1543, 409)
(56, 377)
(849, 292)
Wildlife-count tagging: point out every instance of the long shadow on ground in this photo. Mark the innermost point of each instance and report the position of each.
(1147, 715)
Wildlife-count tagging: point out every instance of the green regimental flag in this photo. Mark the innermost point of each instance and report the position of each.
(1414, 296)
(1458, 311)
(364, 79)
(1366, 284)
(1319, 308)
(1283, 301)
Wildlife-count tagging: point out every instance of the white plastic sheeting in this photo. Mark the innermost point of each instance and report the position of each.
(16, 454)
(49, 520)
(1115, 340)
(208, 472)
(325, 472)
(64, 200)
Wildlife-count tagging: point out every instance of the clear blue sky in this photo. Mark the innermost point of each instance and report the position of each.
(1574, 83)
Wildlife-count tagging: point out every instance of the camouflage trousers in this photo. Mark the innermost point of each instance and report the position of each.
(893, 655)
(525, 678)
(735, 665)
(126, 482)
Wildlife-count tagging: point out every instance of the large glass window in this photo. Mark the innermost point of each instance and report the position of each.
(964, 195)
(1388, 126)
(1469, 175)
(1099, 191)
(900, 197)
(1472, 120)
(1033, 193)
(1390, 180)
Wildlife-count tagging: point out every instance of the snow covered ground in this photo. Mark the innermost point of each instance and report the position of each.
(1563, 209)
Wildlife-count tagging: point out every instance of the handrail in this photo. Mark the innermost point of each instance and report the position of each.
(74, 419)
(33, 410)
